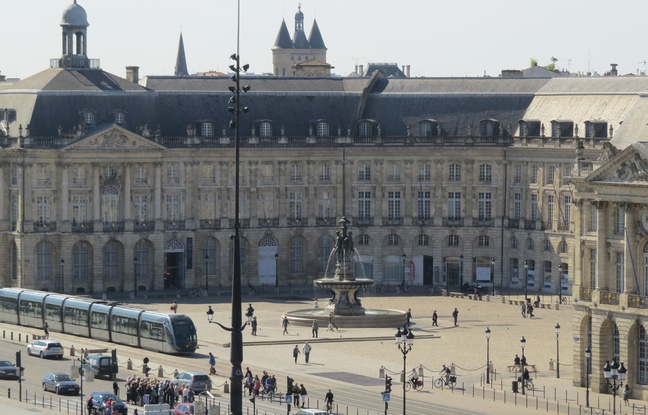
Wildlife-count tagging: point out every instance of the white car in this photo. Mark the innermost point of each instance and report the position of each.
(307, 411)
(45, 348)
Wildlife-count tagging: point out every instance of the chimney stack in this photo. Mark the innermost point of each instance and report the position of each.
(613, 71)
(132, 74)
(407, 70)
(361, 70)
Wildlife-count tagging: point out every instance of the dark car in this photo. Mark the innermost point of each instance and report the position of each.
(99, 400)
(474, 288)
(59, 383)
(197, 381)
(102, 366)
(8, 370)
(183, 409)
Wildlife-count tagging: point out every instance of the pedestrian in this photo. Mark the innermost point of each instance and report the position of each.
(408, 316)
(116, 388)
(212, 364)
(296, 353)
(455, 315)
(435, 317)
(530, 310)
(524, 308)
(332, 322)
(46, 330)
(516, 361)
(307, 350)
(295, 394)
(284, 323)
(626, 394)
(302, 394)
(315, 327)
(174, 307)
(254, 326)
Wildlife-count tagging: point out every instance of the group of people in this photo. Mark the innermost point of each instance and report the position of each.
(306, 349)
(255, 385)
(527, 307)
(157, 391)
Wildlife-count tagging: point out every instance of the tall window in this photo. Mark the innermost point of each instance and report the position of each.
(140, 203)
(642, 377)
(483, 241)
(620, 272)
(593, 219)
(485, 206)
(44, 261)
(364, 205)
(551, 174)
(534, 174)
(296, 174)
(423, 240)
(428, 129)
(567, 209)
(297, 254)
(325, 205)
(454, 172)
(365, 129)
(485, 172)
(325, 173)
(393, 240)
(207, 129)
(78, 176)
(425, 172)
(322, 129)
(394, 205)
(141, 175)
(517, 206)
(454, 205)
(325, 248)
(393, 172)
(143, 263)
(208, 205)
(517, 175)
(364, 171)
(79, 208)
(424, 205)
(534, 206)
(514, 242)
(172, 174)
(172, 206)
(15, 172)
(209, 255)
(550, 208)
(43, 210)
(81, 260)
(453, 240)
(208, 173)
(111, 260)
(592, 266)
(295, 206)
(265, 129)
(619, 220)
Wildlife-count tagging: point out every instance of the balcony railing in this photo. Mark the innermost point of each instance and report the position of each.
(326, 221)
(45, 227)
(563, 226)
(243, 223)
(113, 226)
(85, 226)
(297, 222)
(452, 221)
(174, 225)
(637, 301)
(268, 222)
(209, 224)
(585, 294)
(529, 224)
(362, 221)
(425, 222)
(482, 222)
(513, 223)
(392, 221)
(609, 297)
(144, 226)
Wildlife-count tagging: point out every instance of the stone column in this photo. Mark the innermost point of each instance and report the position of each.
(65, 192)
(96, 193)
(601, 244)
(158, 192)
(128, 215)
(630, 244)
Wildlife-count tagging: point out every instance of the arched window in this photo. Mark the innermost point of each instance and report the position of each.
(484, 240)
(297, 254)
(207, 129)
(265, 129)
(563, 246)
(514, 242)
(530, 244)
(322, 129)
(642, 377)
(44, 261)
(110, 204)
(111, 260)
(143, 262)
(423, 240)
(89, 117)
(325, 250)
(365, 129)
(120, 117)
(645, 271)
(81, 260)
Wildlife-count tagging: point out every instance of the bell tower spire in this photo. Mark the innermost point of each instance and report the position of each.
(74, 24)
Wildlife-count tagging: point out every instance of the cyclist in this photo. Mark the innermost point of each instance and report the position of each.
(445, 373)
(329, 401)
(413, 378)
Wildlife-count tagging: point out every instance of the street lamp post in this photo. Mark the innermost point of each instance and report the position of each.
(560, 274)
(404, 261)
(62, 274)
(404, 341)
(276, 270)
(588, 356)
(526, 279)
(557, 350)
(488, 332)
(523, 361)
(461, 275)
(135, 270)
(207, 273)
(493, 275)
(613, 372)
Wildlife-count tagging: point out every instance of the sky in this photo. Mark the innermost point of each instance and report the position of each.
(437, 38)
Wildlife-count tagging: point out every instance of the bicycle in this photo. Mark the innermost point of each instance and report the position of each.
(198, 292)
(418, 385)
(528, 384)
(329, 407)
(441, 382)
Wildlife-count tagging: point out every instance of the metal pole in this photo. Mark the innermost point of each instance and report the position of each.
(404, 381)
(487, 355)
(587, 360)
(560, 274)
(557, 353)
(526, 279)
(62, 273)
(135, 277)
(207, 273)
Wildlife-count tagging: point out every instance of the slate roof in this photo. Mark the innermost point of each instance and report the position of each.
(315, 38)
(283, 40)
(181, 60)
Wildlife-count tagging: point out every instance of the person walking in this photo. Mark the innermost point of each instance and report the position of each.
(284, 324)
(295, 394)
(328, 400)
(315, 328)
(408, 316)
(254, 325)
(212, 364)
(174, 307)
(332, 324)
(455, 315)
(296, 353)
(46, 330)
(116, 388)
(626, 394)
(307, 350)
(302, 394)
(435, 318)
(524, 308)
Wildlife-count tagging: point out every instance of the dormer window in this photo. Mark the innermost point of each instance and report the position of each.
(365, 129)
(265, 129)
(530, 128)
(89, 117)
(322, 129)
(562, 129)
(489, 128)
(207, 129)
(120, 117)
(428, 128)
(596, 129)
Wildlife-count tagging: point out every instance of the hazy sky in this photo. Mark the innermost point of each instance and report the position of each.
(437, 38)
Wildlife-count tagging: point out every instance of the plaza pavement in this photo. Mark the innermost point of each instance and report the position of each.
(355, 356)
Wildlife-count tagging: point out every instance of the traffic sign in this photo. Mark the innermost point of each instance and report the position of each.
(289, 399)
(386, 397)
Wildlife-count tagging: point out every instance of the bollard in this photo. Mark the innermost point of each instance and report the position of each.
(19, 337)
(226, 387)
(420, 371)
(160, 372)
(452, 369)
(72, 351)
(26, 338)
(129, 364)
(381, 372)
(12, 335)
(9, 393)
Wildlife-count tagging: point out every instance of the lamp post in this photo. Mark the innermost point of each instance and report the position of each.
(526, 279)
(523, 361)
(560, 274)
(493, 275)
(207, 273)
(135, 270)
(557, 350)
(613, 372)
(62, 273)
(461, 271)
(404, 261)
(404, 341)
(588, 355)
(276, 270)
(488, 332)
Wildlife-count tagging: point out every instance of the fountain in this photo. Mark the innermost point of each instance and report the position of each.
(345, 304)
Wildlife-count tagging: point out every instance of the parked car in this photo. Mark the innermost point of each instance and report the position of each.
(315, 411)
(8, 370)
(59, 383)
(183, 409)
(45, 348)
(99, 400)
(472, 288)
(197, 381)
(102, 366)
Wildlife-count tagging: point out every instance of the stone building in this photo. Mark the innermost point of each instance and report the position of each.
(108, 184)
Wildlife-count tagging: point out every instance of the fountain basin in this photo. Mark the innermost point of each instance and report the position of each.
(370, 318)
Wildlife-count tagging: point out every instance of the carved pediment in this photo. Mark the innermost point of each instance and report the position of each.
(114, 138)
(630, 166)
